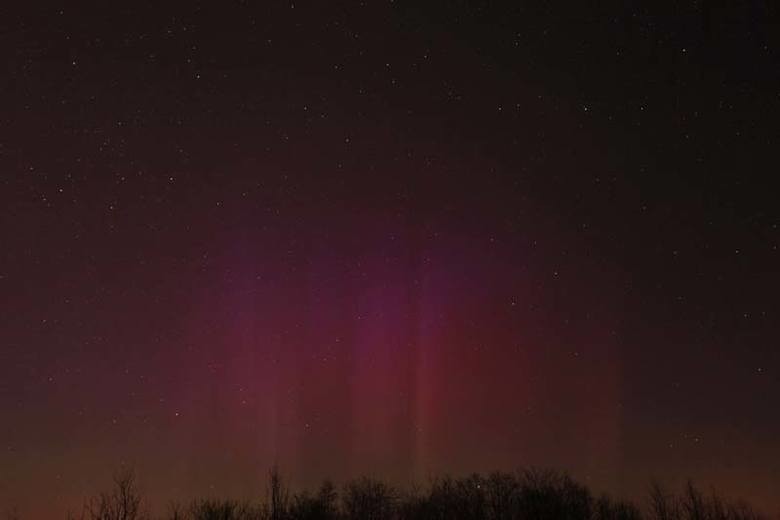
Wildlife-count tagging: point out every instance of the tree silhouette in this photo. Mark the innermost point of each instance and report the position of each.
(321, 506)
(530, 494)
(368, 499)
(280, 496)
(123, 502)
(662, 506)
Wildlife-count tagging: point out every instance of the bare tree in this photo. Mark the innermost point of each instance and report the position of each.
(223, 510)
(693, 503)
(122, 503)
(663, 506)
(176, 511)
(280, 496)
(320, 506)
(369, 499)
(530, 494)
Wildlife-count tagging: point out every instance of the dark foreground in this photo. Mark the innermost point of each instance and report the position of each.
(527, 494)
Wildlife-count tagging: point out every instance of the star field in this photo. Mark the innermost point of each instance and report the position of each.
(387, 238)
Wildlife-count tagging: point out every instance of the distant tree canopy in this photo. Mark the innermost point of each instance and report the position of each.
(530, 494)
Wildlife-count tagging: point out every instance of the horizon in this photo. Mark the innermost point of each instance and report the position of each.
(526, 492)
(389, 238)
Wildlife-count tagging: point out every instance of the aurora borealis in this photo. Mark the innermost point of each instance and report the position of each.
(379, 238)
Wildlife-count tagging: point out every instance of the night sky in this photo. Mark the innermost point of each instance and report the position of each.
(389, 239)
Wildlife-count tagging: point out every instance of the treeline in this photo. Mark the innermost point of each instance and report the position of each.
(527, 494)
